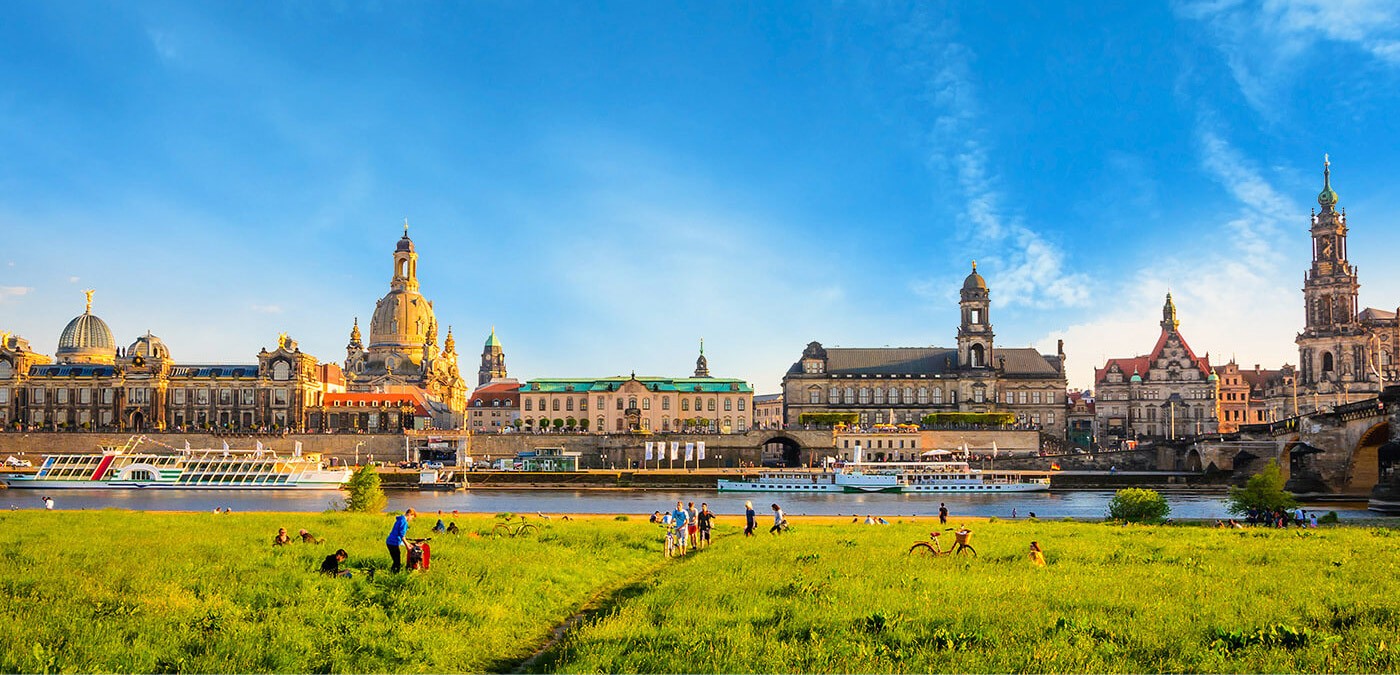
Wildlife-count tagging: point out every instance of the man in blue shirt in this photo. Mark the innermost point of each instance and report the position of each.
(396, 537)
(680, 518)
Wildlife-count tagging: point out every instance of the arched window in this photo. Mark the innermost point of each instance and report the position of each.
(834, 396)
(975, 356)
(728, 404)
(923, 395)
(665, 402)
(850, 395)
(937, 396)
(619, 403)
(665, 423)
(282, 370)
(711, 406)
(814, 395)
(1327, 365)
(556, 405)
(601, 424)
(879, 395)
(864, 395)
(569, 404)
(646, 404)
(632, 403)
(894, 395)
(908, 394)
(697, 404)
(685, 405)
(741, 428)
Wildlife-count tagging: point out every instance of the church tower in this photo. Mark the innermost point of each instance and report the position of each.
(493, 361)
(975, 334)
(1332, 346)
(702, 365)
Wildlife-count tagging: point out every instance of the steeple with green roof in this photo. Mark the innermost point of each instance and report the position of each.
(493, 361)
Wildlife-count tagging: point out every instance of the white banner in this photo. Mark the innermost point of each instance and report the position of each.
(675, 449)
(689, 451)
(225, 446)
(649, 446)
(994, 450)
(700, 450)
(298, 450)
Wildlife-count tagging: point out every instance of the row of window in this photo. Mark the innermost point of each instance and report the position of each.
(620, 424)
(879, 443)
(142, 395)
(542, 404)
(921, 396)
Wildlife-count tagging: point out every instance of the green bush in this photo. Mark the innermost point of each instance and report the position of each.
(828, 418)
(1136, 505)
(1329, 518)
(993, 419)
(1263, 491)
(364, 493)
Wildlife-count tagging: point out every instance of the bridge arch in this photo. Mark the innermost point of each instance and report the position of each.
(1364, 469)
(1193, 460)
(782, 448)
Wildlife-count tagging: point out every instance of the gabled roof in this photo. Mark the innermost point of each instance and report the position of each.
(766, 398)
(1373, 314)
(1142, 364)
(507, 393)
(1018, 361)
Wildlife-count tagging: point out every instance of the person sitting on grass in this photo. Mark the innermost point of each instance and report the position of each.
(331, 565)
(1037, 556)
(439, 527)
(281, 539)
(308, 538)
(452, 528)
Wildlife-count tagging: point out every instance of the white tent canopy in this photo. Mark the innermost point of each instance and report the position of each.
(936, 453)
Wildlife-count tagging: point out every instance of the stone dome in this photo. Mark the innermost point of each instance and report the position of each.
(974, 281)
(86, 339)
(148, 347)
(401, 320)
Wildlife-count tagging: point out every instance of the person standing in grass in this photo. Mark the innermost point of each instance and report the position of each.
(779, 520)
(680, 519)
(395, 541)
(942, 513)
(750, 519)
(1037, 556)
(706, 522)
(693, 525)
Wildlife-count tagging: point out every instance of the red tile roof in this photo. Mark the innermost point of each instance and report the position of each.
(1141, 364)
(374, 400)
(506, 393)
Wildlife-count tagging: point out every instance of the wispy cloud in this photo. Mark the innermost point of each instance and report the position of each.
(266, 309)
(8, 293)
(1029, 268)
(1264, 40)
(73, 280)
(1232, 291)
(164, 44)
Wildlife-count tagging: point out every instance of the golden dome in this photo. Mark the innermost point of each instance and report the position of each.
(86, 339)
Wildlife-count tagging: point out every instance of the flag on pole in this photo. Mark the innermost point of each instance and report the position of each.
(689, 451)
(994, 449)
(298, 449)
(187, 445)
(650, 444)
(225, 446)
(700, 450)
(675, 450)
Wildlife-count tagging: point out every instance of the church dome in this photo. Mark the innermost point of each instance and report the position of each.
(401, 320)
(148, 347)
(405, 244)
(86, 339)
(974, 281)
(1327, 198)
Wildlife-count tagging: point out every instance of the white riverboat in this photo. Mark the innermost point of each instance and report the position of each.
(894, 477)
(184, 469)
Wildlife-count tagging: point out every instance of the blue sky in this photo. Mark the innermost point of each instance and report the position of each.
(607, 185)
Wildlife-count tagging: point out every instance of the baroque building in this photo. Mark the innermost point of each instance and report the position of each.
(403, 347)
(1344, 353)
(92, 384)
(1167, 393)
(648, 404)
(902, 384)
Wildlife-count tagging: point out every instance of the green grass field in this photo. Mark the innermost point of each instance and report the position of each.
(138, 592)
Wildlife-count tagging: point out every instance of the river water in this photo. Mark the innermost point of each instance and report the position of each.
(1087, 504)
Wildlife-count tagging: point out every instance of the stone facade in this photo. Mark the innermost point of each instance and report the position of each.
(768, 411)
(1168, 393)
(646, 404)
(494, 407)
(96, 386)
(901, 385)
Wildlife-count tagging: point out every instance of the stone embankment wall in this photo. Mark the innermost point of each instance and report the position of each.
(384, 447)
(1127, 460)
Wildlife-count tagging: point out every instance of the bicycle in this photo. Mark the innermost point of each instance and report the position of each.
(673, 544)
(931, 548)
(518, 530)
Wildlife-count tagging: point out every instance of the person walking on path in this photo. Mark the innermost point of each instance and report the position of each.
(942, 513)
(779, 521)
(706, 521)
(693, 524)
(395, 541)
(750, 519)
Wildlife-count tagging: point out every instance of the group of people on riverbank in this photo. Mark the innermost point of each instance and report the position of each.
(1281, 518)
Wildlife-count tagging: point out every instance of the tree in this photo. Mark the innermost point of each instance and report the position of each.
(517, 423)
(583, 424)
(365, 495)
(1262, 492)
(558, 423)
(1136, 505)
(571, 423)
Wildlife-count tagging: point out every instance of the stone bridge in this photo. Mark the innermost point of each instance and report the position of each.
(1350, 450)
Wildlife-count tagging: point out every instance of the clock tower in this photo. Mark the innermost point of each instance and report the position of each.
(1332, 346)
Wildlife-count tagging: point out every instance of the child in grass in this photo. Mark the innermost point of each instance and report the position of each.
(281, 539)
(331, 565)
(1037, 557)
(749, 519)
(395, 541)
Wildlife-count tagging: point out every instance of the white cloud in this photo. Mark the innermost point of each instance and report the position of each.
(266, 309)
(1028, 269)
(1264, 40)
(72, 280)
(164, 44)
(1232, 293)
(10, 292)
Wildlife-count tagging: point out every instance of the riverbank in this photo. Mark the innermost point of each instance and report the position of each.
(196, 592)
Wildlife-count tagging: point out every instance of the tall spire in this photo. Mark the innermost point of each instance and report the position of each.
(702, 365)
(449, 346)
(1327, 199)
(1169, 321)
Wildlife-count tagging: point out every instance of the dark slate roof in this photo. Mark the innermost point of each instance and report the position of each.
(73, 370)
(240, 371)
(1023, 361)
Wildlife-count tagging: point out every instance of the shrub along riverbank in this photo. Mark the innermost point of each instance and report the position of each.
(121, 591)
